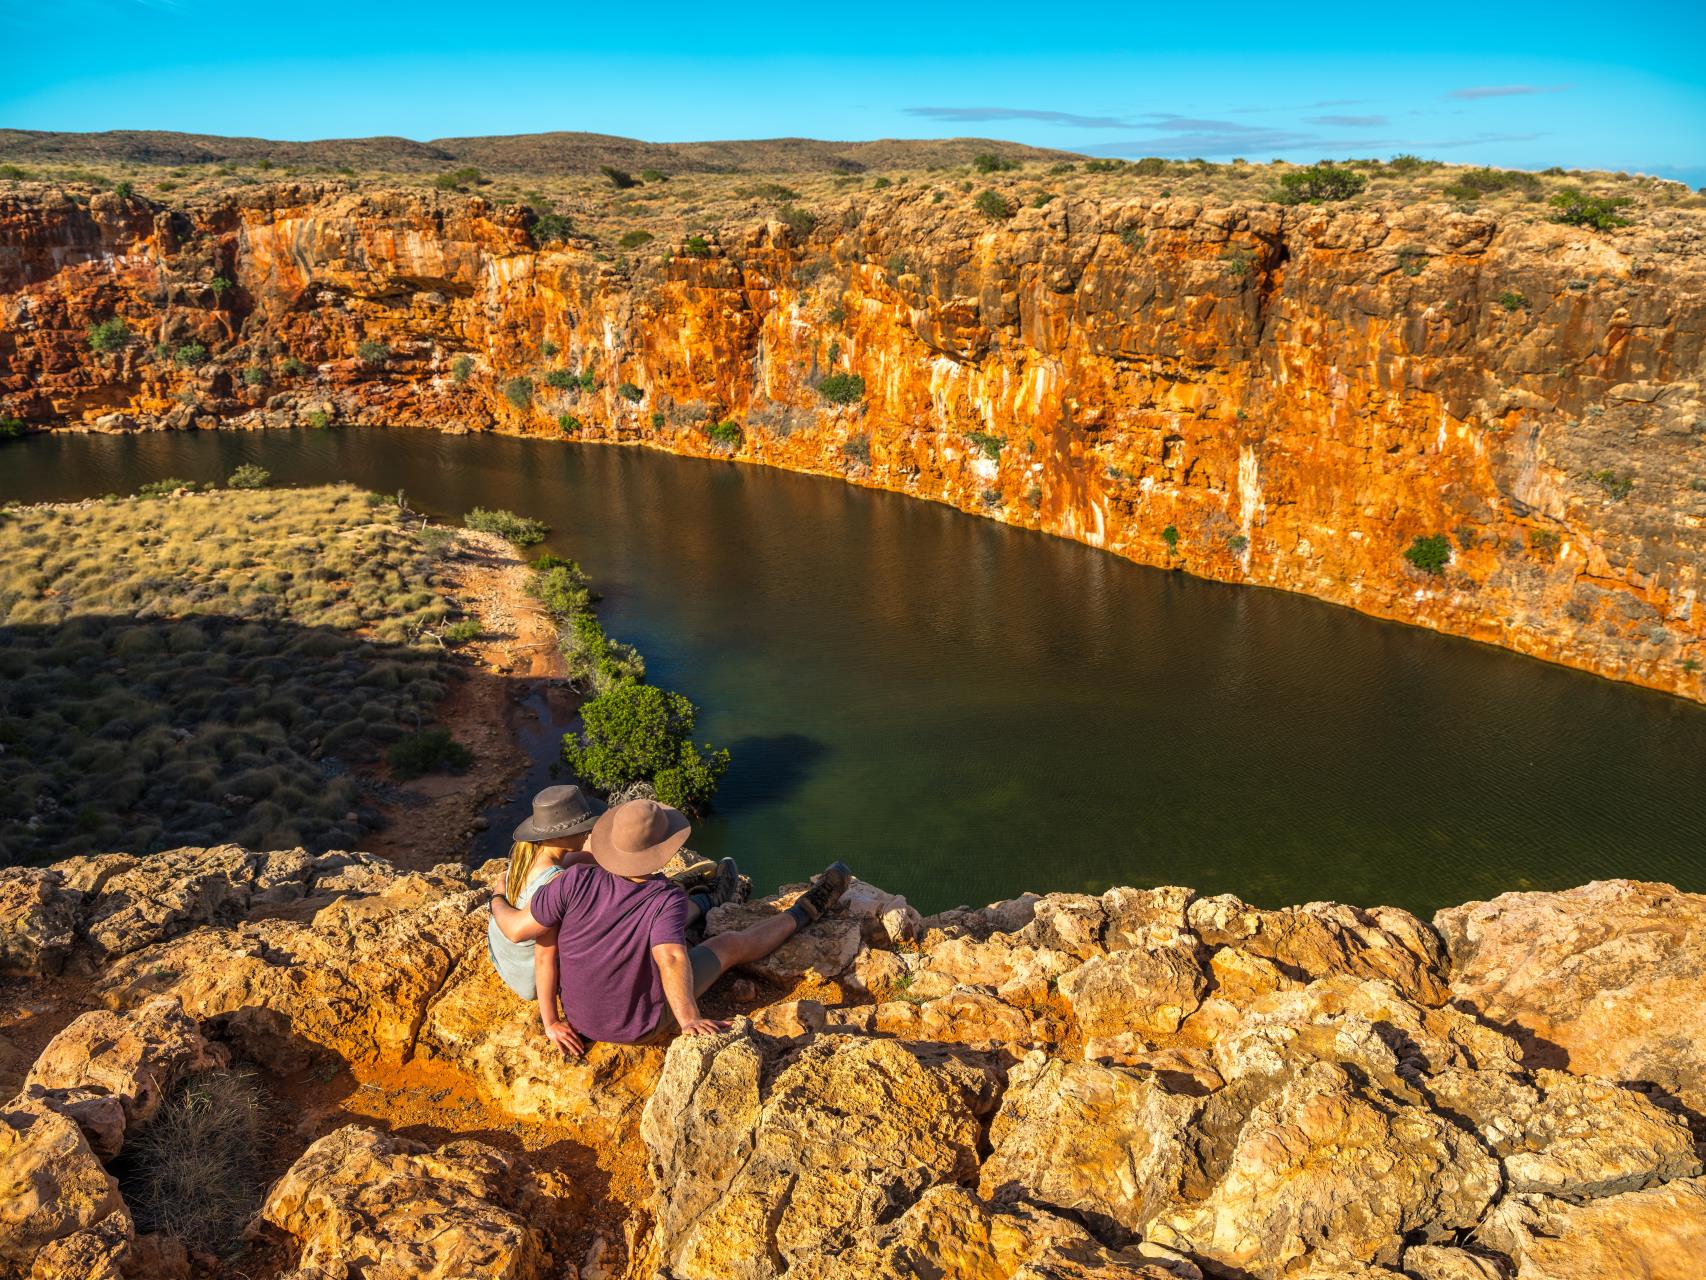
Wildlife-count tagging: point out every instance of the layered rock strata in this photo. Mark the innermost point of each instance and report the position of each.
(1289, 397)
(1140, 1085)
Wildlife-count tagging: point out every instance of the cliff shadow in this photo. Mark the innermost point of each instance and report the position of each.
(144, 734)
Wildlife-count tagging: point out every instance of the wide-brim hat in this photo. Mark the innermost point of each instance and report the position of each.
(638, 838)
(559, 812)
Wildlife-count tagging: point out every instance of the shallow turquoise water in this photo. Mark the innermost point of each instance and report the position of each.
(963, 711)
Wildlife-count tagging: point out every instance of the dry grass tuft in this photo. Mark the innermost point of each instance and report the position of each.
(196, 1171)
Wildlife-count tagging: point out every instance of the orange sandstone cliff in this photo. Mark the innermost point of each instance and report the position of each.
(1287, 397)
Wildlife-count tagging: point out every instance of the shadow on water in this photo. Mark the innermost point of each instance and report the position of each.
(767, 770)
(120, 733)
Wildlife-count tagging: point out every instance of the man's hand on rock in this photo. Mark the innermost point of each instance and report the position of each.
(563, 1036)
(704, 1026)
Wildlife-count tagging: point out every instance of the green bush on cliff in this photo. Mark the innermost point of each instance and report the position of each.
(551, 228)
(993, 205)
(371, 352)
(1318, 184)
(1429, 553)
(568, 424)
(631, 393)
(726, 435)
(291, 367)
(109, 335)
(190, 354)
(697, 247)
(985, 443)
(521, 531)
(640, 733)
(842, 388)
(12, 428)
(857, 450)
(634, 239)
(563, 379)
(1576, 209)
(519, 392)
(461, 369)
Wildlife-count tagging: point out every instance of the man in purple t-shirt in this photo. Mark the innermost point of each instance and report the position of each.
(625, 972)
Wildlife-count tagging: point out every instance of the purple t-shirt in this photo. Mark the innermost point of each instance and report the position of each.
(606, 929)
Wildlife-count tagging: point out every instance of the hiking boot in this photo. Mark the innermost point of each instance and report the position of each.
(825, 891)
(697, 877)
(727, 885)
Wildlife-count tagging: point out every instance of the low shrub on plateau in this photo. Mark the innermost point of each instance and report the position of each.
(250, 476)
(209, 669)
(1318, 184)
(640, 733)
(1576, 209)
(522, 531)
(994, 206)
(428, 751)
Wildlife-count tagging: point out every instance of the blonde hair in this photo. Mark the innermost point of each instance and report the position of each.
(521, 858)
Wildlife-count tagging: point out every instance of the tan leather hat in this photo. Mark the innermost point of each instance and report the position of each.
(638, 838)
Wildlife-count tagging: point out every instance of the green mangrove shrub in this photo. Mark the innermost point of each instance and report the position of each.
(520, 531)
(640, 733)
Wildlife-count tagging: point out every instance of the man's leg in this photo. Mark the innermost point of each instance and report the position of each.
(757, 941)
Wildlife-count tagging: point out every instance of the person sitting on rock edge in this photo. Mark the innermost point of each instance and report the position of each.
(625, 972)
(551, 839)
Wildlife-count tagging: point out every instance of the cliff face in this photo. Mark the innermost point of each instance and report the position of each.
(1283, 397)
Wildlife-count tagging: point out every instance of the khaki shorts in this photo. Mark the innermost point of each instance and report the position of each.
(707, 968)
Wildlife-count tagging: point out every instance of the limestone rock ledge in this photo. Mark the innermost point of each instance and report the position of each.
(1140, 1085)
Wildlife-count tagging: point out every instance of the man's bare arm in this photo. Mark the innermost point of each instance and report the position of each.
(545, 962)
(517, 926)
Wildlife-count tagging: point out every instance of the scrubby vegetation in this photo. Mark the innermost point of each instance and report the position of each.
(1430, 553)
(640, 733)
(193, 1170)
(990, 446)
(109, 335)
(993, 205)
(427, 751)
(522, 531)
(631, 731)
(842, 388)
(1600, 212)
(210, 667)
(1318, 184)
(725, 435)
(250, 476)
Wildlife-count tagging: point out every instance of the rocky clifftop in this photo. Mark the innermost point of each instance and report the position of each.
(1288, 397)
(1144, 1085)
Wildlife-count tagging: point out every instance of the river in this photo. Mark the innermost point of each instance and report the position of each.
(963, 711)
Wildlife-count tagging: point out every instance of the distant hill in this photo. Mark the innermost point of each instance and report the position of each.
(539, 153)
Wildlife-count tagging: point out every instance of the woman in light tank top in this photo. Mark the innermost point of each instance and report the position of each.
(552, 837)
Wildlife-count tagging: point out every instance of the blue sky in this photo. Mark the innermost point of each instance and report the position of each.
(1529, 84)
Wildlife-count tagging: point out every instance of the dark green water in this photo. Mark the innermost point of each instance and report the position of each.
(963, 711)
